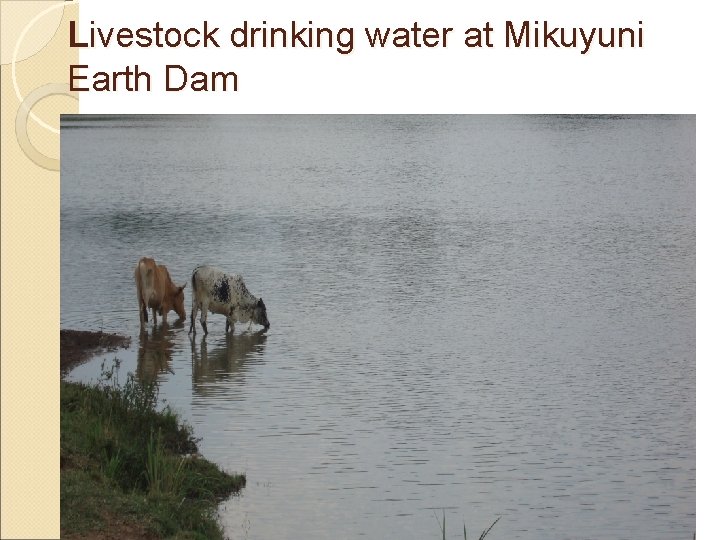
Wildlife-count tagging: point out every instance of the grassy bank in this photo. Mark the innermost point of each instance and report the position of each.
(128, 471)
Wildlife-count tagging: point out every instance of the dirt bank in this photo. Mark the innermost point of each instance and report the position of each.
(77, 346)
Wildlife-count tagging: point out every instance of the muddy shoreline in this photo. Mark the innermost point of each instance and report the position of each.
(78, 346)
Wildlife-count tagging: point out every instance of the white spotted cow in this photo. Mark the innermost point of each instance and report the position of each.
(219, 292)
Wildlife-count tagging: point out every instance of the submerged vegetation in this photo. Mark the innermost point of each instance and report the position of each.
(131, 471)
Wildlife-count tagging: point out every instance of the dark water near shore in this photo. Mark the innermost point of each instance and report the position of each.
(494, 316)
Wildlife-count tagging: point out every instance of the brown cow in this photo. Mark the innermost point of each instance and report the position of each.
(156, 291)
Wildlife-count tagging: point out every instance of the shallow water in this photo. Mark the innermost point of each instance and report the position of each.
(478, 315)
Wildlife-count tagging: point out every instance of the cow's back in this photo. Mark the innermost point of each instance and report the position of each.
(150, 282)
(217, 289)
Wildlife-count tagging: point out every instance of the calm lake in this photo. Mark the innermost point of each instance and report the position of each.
(479, 316)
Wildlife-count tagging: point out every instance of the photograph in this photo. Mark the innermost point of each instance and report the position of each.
(383, 326)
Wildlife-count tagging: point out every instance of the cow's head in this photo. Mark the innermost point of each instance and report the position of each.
(179, 301)
(259, 314)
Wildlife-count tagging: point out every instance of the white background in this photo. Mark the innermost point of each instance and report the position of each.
(666, 75)
(674, 72)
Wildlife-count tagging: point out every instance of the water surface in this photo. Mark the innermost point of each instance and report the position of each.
(477, 315)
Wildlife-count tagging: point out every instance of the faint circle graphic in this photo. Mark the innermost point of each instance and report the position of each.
(21, 123)
(15, 14)
(16, 52)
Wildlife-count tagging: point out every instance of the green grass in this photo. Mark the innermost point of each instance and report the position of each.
(126, 465)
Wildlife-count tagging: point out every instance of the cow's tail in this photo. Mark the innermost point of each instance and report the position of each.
(193, 312)
(194, 280)
(142, 273)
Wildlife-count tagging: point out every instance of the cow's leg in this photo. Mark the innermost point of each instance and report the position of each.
(154, 316)
(143, 312)
(141, 308)
(193, 313)
(227, 324)
(141, 301)
(232, 326)
(203, 318)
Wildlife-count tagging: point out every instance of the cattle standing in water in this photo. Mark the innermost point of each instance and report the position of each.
(156, 291)
(219, 292)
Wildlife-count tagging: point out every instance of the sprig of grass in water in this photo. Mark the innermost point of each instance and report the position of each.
(486, 531)
(483, 535)
(442, 525)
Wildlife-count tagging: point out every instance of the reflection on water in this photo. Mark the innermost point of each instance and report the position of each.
(491, 315)
(155, 348)
(226, 364)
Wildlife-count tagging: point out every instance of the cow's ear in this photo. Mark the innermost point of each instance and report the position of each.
(181, 287)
